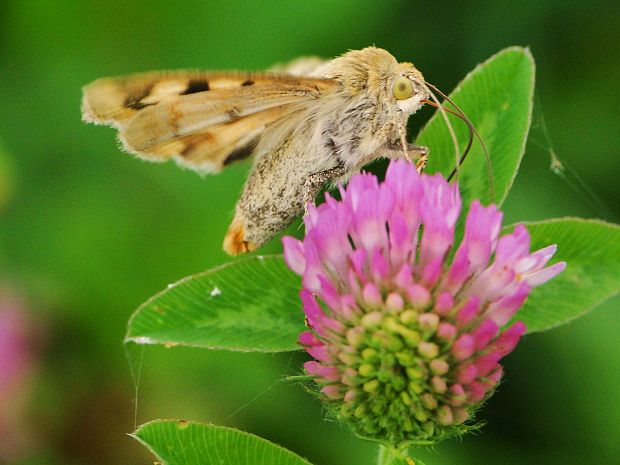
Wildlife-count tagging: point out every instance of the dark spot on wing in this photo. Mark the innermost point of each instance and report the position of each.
(242, 152)
(189, 148)
(247, 82)
(195, 86)
(134, 101)
(137, 105)
(233, 114)
(193, 143)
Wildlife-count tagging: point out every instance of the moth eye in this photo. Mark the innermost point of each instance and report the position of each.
(403, 88)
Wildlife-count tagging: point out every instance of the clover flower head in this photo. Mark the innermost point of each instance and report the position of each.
(407, 342)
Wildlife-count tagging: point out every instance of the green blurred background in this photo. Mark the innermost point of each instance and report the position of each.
(87, 233)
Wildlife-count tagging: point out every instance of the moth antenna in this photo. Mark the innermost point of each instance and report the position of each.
(470, 126)
(472, 132)
(444, 114)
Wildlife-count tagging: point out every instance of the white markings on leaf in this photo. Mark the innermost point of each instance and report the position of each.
(143, 340)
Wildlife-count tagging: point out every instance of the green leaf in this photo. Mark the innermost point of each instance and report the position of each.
(180, 442)
(591, 249)
(7, 177)
(497, 96)
(245, 305)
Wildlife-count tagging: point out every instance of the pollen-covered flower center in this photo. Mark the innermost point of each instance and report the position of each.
(398, 374)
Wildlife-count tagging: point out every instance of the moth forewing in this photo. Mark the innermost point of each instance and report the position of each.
(302, 67)
(113, 100)
(202, 120)
(186, 115)
(216, 146)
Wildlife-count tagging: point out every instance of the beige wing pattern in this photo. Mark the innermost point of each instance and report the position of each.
(203, 120)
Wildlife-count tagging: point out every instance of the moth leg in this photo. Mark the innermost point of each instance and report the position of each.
(417, 154)
(421, 163)
(316, 181)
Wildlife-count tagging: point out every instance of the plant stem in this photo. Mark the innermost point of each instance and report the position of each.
(382, 455)
(392, 456)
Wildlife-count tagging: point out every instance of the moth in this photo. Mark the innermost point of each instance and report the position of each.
(307, 124)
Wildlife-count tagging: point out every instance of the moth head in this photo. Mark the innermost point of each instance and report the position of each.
(373, 72)
(407, 88)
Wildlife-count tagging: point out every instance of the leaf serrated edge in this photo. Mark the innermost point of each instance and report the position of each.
(573, 219)
(147, 445)
(136, 436)
(147, 340)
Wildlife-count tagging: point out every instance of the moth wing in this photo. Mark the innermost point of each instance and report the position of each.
(203, 120)
(304, 66)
